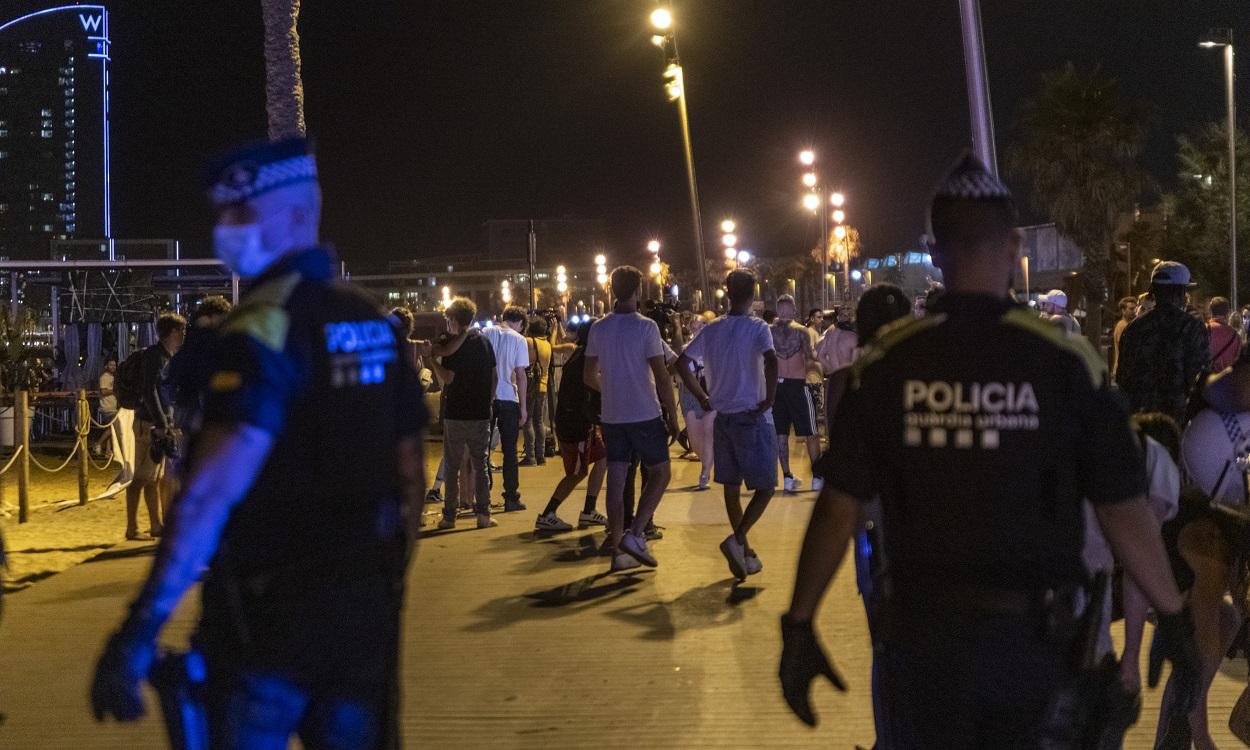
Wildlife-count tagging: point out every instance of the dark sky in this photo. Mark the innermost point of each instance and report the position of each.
(434, 116)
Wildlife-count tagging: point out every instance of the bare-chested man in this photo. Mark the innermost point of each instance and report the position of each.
(794, 407)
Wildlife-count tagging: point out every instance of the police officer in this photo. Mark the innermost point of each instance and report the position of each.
(303, 494)
(981, 429)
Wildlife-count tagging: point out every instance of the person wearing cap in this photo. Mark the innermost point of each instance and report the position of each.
(304, 490)
(1164, 353)
(981, 429)
(1057, 300)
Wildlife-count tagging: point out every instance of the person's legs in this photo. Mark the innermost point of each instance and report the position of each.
(133, 491)
(509, 426)
(477, 443)
(1203, 549)
(573, 457)
(813, 451)
(650, 441)
(528, 432)
(629, 490)
(616, 500)
(707, 457)
(537, 418)
(597, 474)
(343, 723)
(783, 453)
(453, 450)
(152, 499)
(468, 482)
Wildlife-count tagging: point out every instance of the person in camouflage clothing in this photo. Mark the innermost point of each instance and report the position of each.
(1164, 352)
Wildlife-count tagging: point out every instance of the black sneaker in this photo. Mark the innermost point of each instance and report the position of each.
(510, 506)
(526, 462)
(653, 532)
(434, 496)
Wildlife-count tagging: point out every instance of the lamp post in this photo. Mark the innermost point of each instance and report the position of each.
(656, 268)
(729, 240)
(980, 112)
(812, 201)
(675, 86)
(601, 278)
(1224, 38)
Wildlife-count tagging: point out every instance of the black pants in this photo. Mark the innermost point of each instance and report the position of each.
(507, 416)
(981, 683)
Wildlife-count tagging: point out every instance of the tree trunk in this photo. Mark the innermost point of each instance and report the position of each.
(284, 86)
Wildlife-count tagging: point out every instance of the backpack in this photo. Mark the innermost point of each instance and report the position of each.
(129, 380)
(533, 372)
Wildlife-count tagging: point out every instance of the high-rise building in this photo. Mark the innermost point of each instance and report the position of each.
(54, 151)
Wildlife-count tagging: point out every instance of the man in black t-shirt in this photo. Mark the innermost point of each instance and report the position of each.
(466, 417)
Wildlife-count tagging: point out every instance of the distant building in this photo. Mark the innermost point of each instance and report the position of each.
(54, 151)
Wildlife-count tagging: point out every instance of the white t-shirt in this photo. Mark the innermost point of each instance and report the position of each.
(511, 352)
(623, 343)
(107, 403)
(732, 348)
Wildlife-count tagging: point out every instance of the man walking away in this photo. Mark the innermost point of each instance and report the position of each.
(539, 348)
(510, 408)
(1224, 342)
(737, 352)
(794, 405)
(1164, 352)
(154, 408)
(625, 363)
(466, 424)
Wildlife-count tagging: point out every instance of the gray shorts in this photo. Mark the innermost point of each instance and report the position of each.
(745, 449)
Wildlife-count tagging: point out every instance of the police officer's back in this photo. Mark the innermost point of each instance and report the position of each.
(303, 491)
(981, 429)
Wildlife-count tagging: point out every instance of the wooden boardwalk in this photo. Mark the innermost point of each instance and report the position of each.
(515, 641)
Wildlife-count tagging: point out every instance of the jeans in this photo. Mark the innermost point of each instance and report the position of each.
(460, 435)
(508, 422)
(535, 430)
(260, 711)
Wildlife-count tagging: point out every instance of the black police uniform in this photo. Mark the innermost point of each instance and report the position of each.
(308, 580)
(981, 429)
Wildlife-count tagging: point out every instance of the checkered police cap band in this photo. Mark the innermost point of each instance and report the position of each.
(970, 180)
(245, 180)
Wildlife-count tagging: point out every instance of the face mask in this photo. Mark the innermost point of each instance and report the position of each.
(239, 246)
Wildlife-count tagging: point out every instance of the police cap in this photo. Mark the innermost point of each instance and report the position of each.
(253, 170)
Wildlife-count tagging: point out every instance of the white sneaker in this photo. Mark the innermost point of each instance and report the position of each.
(789, 485)
(735, 555)
(551, 522)
(446, 523)
(591, 519)
(484, 521)
(703, 482)
(636, 546)
(818, 484)
(753, 564)
(623, 561)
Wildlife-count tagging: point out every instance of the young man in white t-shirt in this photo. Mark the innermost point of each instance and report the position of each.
(511, 358)
(740, 366)
(625, 363)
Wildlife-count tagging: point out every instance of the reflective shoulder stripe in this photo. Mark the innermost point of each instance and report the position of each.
(262, 314)
(889, 337)
(1059, 338)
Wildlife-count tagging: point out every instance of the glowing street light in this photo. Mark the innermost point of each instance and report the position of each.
(837, 199)
(744, 257)
(653, 246)
(807, 157)
(809, 179)
(839, 232)
(839, 216)
(656, 268)
(505, 291)
(731, 254)
(602, 278)
(729, 239)
(811, 201)
(727, 226)
(601, 260)
(662, 19)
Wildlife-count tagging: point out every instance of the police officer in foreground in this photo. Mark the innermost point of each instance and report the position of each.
(303, 494)
(981, 429)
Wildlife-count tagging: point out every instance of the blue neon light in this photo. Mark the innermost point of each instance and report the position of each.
(101, 24)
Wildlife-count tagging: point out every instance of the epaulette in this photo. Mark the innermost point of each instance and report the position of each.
(1074, 344)
(262, 315)
(890, 336)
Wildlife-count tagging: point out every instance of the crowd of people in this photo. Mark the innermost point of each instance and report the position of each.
(1005, 493)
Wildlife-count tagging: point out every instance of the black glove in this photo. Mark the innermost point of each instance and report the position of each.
(122, 668)
(802, 659)
(1174, 641)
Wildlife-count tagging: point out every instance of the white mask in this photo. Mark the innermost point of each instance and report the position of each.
(241, 248)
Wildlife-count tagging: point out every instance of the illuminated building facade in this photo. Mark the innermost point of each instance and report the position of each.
(54, 139)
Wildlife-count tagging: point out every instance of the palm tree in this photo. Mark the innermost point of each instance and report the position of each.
(1077, 146)
(284, 86)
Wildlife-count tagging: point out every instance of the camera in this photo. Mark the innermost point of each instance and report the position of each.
(665, 316)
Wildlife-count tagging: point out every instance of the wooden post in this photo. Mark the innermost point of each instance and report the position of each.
(22, 425)
(84, 430)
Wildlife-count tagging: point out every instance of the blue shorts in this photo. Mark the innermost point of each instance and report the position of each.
(745, 448)
(647, 440)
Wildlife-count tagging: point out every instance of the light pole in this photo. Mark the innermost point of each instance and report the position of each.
(1224, 38)
(837, 200)
(812, 201)
(980, 113)
(656, 268)
(729, 240)
(601, 278)
(666, 39)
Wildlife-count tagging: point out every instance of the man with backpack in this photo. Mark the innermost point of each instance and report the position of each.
(143, 384)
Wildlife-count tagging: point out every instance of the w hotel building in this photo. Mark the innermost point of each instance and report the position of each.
(54, 150)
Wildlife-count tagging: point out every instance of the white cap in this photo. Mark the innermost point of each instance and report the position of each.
(1057, 298)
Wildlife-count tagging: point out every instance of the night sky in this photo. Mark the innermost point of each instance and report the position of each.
(432, 117)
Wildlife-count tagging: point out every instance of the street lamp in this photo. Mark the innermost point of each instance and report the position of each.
(727, 226)
(744, 257)
(729, 239)
(836, 200)
(809, 179)
(562, 280)
(811, 202)
(653, 246)
(807, 157)
(505, 292)
(675, 86)
(1224, 38)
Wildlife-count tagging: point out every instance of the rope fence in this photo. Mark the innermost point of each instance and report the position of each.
(23, 457)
